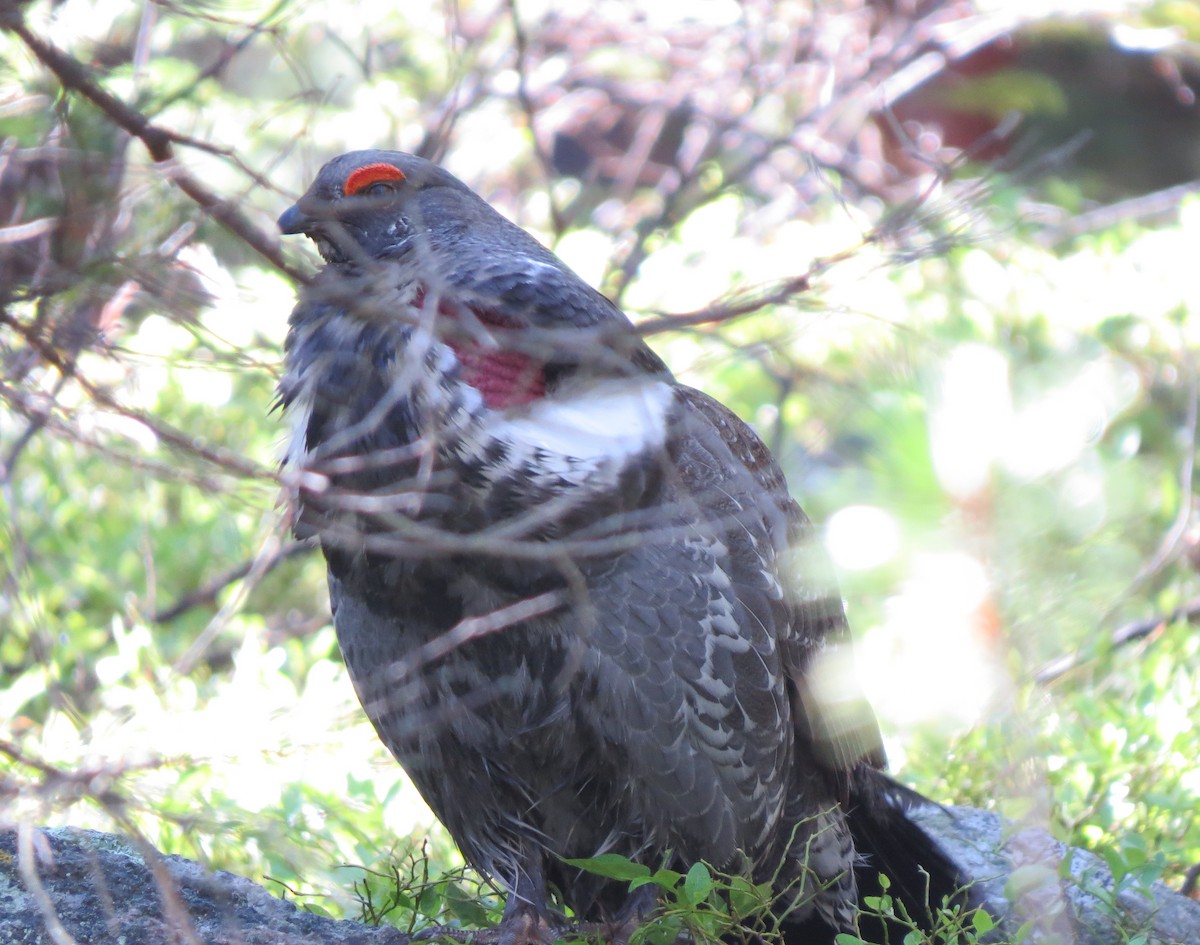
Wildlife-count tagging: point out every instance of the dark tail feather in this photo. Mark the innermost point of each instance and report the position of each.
(889, 841)
(921, 876)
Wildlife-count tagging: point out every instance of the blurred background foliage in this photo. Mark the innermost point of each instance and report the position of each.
(942, 254)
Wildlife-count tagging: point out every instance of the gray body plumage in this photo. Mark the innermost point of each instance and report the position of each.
(584, 621)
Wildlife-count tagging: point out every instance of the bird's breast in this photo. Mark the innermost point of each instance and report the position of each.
(582, 436)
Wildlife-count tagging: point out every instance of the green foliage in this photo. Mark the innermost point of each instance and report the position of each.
(702, 904)
(1020, 409)
(407, 896)
(710, 906)
(953, 925)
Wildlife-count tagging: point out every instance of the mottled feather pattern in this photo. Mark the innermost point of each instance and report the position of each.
(698, 715)
(584, 620)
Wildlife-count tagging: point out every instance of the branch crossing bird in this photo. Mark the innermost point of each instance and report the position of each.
(574, 595)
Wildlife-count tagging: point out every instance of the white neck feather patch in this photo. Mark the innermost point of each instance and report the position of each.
(582, 432)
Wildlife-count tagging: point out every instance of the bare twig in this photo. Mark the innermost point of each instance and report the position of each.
(159, 142)
(1142, 208)
(176, 438)
(267, 557)
(27, 864)
(720, 313)
(521, 49)
(1122, 636)
(207, 593)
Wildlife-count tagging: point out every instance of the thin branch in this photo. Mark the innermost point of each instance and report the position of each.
(1122, 636)
(266, 559)
(176, 438)
(472, 628)
(720, 313)
(159, 142)
(1160, 204)
(207, 593)
(27, 858)
(521, 48)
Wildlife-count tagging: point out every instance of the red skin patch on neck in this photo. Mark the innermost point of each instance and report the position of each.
(504, 378)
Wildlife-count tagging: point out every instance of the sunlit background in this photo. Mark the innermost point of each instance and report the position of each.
(993, 426)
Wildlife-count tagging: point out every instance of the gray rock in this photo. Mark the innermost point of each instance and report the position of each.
(1059, 895)
(98, 889)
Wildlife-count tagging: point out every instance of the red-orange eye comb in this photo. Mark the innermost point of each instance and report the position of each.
(369, 174)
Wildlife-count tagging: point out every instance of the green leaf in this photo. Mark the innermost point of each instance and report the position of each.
(983, 922)
(744, 897)
(662, 931)
(611, 866)
(697, 884)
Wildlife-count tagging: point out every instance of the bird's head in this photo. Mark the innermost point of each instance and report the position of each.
(391, 206)
(517, 319)
(372, 204)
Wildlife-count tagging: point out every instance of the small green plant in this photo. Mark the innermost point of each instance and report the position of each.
(406, 896)
(1134, 871)
(953, 923)
(705, 905)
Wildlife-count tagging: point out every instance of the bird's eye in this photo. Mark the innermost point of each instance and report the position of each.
(378, 178)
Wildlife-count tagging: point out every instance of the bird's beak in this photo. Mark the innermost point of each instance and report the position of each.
(294, 220)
